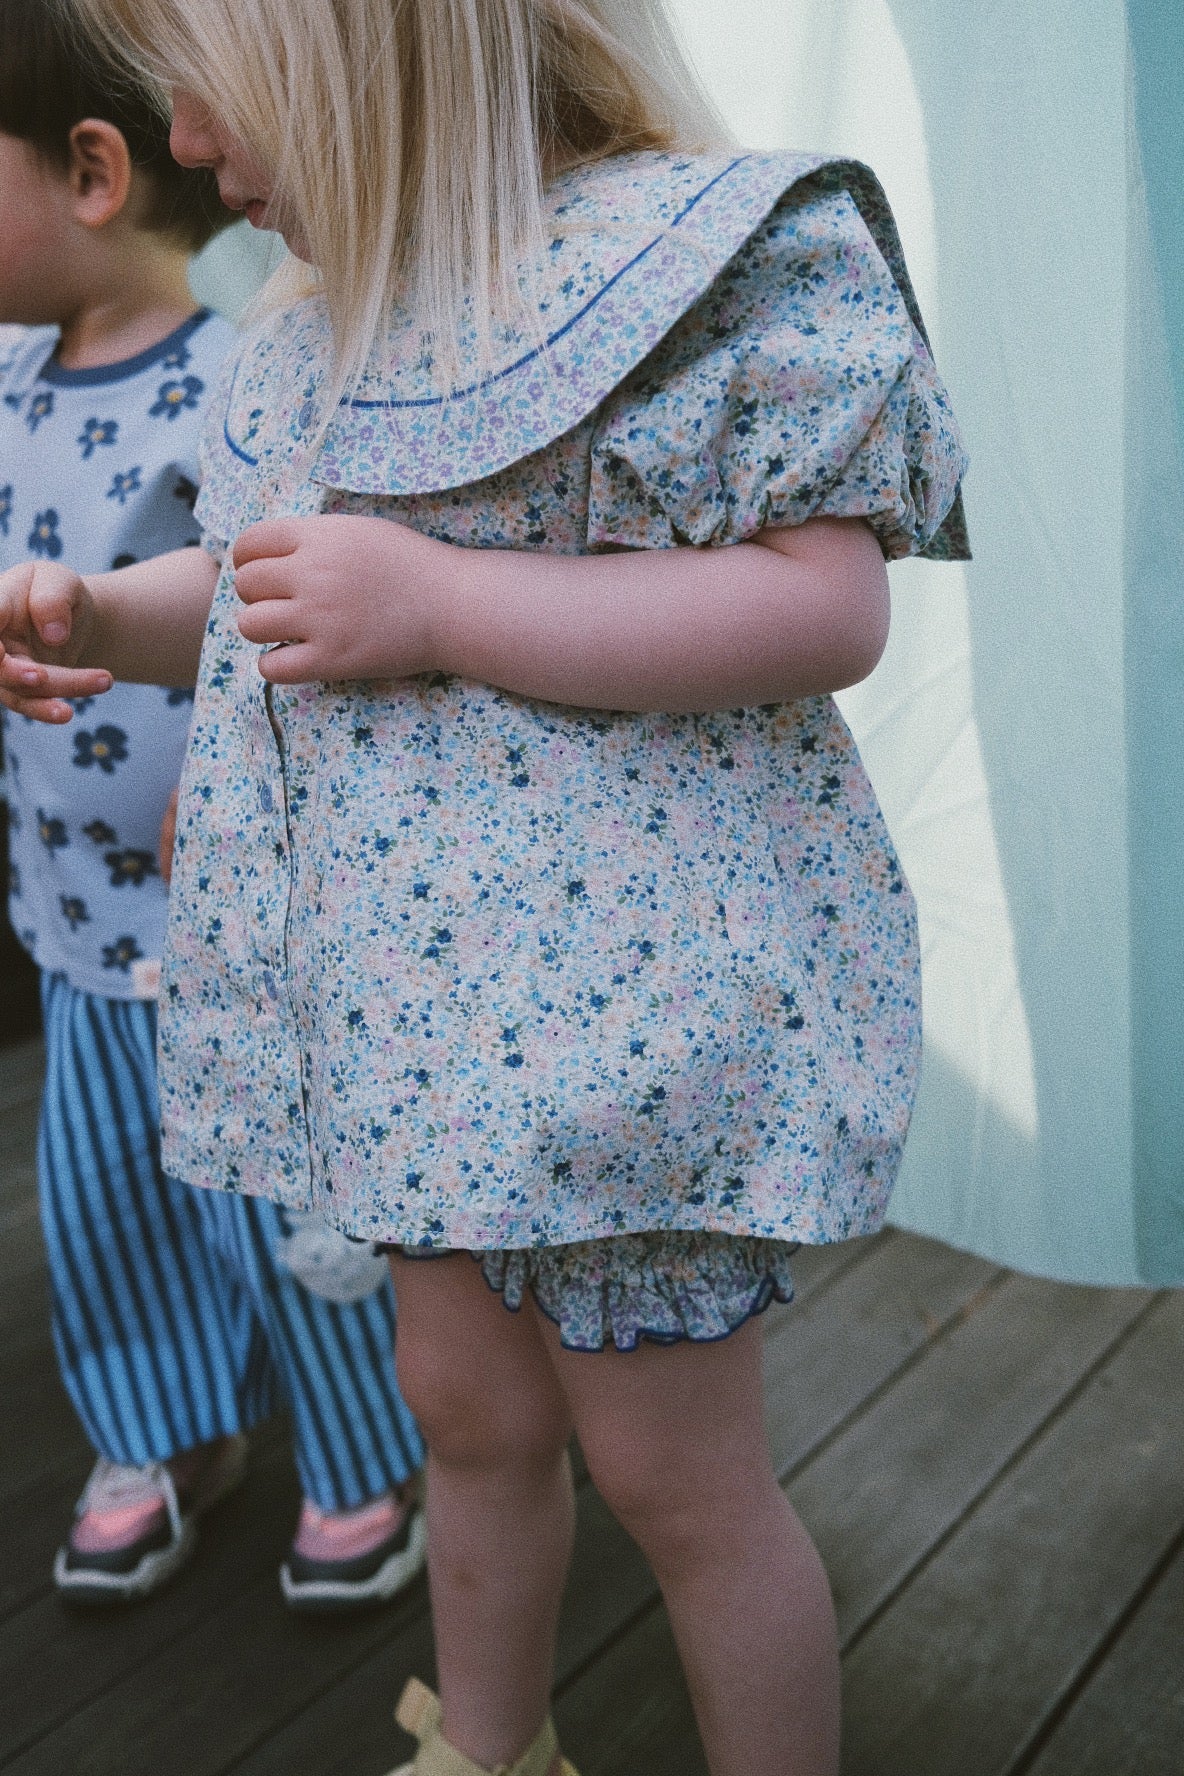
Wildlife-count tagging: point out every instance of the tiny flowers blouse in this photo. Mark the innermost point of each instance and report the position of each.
(461, 968)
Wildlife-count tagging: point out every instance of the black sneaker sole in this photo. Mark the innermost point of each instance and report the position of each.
(337, 1587)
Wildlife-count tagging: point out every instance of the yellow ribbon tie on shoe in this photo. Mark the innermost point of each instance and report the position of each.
(418, 1712)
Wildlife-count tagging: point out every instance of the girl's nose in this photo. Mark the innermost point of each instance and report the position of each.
(191, 138)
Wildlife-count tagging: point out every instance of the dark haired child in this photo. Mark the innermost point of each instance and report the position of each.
(179, 1315)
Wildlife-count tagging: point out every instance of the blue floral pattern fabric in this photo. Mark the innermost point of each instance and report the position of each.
(467, 970)
(92, 477)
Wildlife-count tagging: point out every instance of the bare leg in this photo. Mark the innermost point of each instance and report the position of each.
(499, 1500)
(675, 1441)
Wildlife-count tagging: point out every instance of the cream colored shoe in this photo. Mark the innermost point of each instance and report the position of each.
(418, 1712)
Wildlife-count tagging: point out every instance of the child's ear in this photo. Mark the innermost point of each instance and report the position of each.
(100, 171)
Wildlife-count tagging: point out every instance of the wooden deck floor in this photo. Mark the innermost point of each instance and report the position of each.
(993, 1468)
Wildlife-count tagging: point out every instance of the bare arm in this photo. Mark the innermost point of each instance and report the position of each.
(791, 614)
(150, 619)
(63, 635)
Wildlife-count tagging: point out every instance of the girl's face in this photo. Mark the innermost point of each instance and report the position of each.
(197, 139)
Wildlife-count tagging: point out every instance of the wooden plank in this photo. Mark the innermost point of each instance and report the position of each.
(38, 1514)
(22, 1250)
(816, 1266)
(879, 1494)
(848, 1340)
(202, 1712)
(246, 1632)
(904, 1469)
(18, 1143)
(1129, 1718)
(40, 1509)
(608, 1584)
(35, 1400)
(22, 1067)
(908, 1467)
(641, 1724)
(912, 1286)
(957, 1677)
(85, 1673)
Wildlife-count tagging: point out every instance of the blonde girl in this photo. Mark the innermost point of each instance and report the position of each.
(531, 905)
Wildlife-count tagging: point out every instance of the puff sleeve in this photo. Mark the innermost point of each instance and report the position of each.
(800, 385)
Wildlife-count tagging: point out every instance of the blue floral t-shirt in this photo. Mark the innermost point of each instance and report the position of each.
(98, 468)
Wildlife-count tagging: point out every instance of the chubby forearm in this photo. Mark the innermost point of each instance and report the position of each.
(794, 613)
(149, 619)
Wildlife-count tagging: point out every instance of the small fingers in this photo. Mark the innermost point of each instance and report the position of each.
(273, 537)
(290, 663)
(25, 677)
(40, 709)
(268, 623)
(18, 673)
(53, 602)
(40, 692)
(266, 577)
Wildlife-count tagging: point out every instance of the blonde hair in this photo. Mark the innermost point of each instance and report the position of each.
(408, 138)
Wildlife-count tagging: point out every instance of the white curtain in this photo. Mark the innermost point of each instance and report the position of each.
(1004, 728)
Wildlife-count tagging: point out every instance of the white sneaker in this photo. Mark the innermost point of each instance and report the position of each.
(135, 1527)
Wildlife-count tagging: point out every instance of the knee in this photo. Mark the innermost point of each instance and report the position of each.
(481, 1418)
(653, 1504)
(679, 1511)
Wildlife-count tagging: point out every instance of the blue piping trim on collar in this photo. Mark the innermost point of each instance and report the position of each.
(511, 369)
(537, 351)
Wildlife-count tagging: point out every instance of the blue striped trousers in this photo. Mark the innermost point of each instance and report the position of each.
(172, 1320)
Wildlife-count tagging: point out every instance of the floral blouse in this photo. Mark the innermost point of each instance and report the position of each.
(461, 968)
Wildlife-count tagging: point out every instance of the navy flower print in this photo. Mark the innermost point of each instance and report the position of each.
(132, 867)
(174, 397)
(98, 484)
(74, 911)
(51, 831)
(96, 432)
(45, 536)
(124, 482)
(121, 954)
(106, 748)
(40, 407)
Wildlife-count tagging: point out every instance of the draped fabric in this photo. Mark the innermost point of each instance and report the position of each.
(1026, 729)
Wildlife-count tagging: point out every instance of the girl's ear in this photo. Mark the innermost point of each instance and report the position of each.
(100, 171)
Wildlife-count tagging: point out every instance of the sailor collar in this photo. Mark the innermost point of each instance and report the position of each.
(635, 241)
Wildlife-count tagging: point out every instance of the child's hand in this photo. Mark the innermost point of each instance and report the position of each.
(342, 597)
(46, 620)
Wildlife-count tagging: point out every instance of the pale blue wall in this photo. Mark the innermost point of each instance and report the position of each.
(233, 267)
(1155, 628)
(1025, 727)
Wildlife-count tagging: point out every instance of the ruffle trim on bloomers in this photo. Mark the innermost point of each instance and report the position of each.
(660, 1288)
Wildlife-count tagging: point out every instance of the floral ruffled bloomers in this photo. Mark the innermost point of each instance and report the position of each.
(467, 970)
